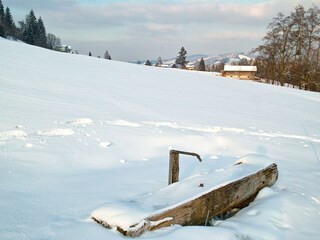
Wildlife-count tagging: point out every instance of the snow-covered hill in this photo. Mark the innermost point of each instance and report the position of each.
(191, 58)
(228, 58)
(78, 132)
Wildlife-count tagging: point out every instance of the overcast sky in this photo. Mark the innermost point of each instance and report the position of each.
(145, 29)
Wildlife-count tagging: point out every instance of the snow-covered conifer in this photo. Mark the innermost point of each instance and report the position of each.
(181, 58)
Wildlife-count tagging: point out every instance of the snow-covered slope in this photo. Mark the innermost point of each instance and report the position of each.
(228, 58)
(78, 132)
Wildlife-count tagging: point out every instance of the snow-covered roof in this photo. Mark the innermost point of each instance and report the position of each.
(166, 65)
(240, 68)
(66, 46)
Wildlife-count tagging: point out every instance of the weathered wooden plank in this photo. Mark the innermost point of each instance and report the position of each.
(209, 204)
(219, 200)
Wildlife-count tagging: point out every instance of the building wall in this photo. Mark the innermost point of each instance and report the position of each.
(243, 75)
(190, 68)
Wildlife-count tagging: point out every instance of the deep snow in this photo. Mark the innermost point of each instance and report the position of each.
(78, 132)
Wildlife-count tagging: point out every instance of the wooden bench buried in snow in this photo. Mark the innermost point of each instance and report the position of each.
(185, 203)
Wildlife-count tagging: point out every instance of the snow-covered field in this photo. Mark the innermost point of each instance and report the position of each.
(78, 132)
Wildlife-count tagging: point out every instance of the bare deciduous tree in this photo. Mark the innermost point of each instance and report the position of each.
(290, 49)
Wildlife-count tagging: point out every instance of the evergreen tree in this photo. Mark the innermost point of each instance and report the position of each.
(107, 55)
(41, 35)
(148, 63)
(31, 29)
(1, 11)
(202, 65)
(2, 33)
(8, 23)
(90, 54)
(159, 62)
(174, 65)
(181, 58)
(20, 30)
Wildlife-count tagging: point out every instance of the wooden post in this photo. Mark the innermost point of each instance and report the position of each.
(173, 167)
(174, 164)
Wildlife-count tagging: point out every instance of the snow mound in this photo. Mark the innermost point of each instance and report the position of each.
(13, 134)
(254, 159)
(56, 132)
(104, 144)
(81, 122)
(126, 123)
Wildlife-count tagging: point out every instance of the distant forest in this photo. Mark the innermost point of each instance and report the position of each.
(31, 30)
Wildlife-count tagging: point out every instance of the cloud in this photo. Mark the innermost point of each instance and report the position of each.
(51, 5)
(127, 19)
(162, 28)
(176, 13)
(155, 16)
(118, 13)
(227, 35)
(165, 23)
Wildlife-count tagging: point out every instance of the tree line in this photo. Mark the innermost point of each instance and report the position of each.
(290, 53)
(31, 30)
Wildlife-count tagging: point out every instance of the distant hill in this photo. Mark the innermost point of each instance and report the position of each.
(209, 60)
(192, 58)
(226, 58)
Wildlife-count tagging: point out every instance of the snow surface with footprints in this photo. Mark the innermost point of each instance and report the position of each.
(77, 133)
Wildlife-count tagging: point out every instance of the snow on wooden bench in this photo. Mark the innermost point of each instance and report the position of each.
(185, 203)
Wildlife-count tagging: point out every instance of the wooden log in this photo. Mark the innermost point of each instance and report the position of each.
(219, 200)
(209, 204)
